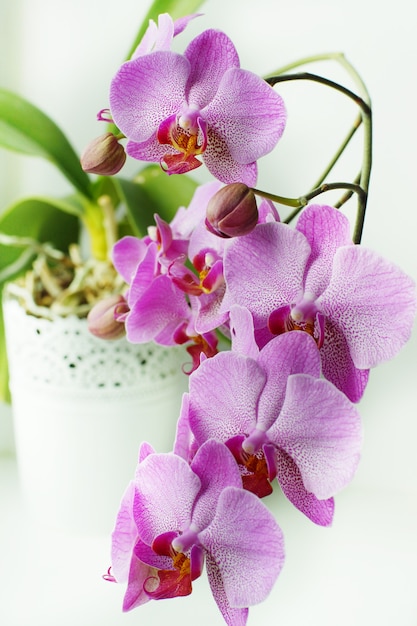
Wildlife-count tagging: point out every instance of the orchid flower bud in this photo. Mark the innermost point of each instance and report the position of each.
(103, 319)
(232, 211)
(104, 155)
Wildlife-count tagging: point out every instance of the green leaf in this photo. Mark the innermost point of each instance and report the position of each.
(41, 219)
(153, 191)
(4, 368)
(176, 9)
(26, 129)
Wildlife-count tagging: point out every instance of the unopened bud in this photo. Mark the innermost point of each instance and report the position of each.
(102, 320)
(232, 211)
(104, 155)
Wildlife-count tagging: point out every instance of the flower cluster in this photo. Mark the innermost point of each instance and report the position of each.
(306, 311)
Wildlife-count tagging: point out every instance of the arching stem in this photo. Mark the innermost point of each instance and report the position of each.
(361, 187)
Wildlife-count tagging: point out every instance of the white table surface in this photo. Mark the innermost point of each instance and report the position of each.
(360, 572)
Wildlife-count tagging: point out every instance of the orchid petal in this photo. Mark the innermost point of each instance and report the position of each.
(251, 558)
(290, 353)
(215, 466)
(154, 556)
(149, 150)
(144, 276)
(242, 332)
(127, 253)
(183, 436)
(166, 488)
(264, 270)
(234, 384)
(338, 366)
(223, 166)
(157, 314)
(182, 22)
(146, 91)
(210, 55)
(124, 536)
(209, 315)
(288, 475)
(135, 595)
(372, 302)
(232, 616)
(156, 37)
(247, 113)
(325, 229)
(321, 430)
(187, 220)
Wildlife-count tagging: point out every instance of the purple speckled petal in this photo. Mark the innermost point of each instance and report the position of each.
(288, 475)
(232, 616)
(217, 469)
(251, 557)
(372, 302)
(124, 536)
(325, 229)
(247, 113)
(223, 166)
(157, 314)
(242, 332)
(290, 353)
(149, 150)
(146, 91)
(127, 253)
(264, 270)
(234, 384)
(209, 314)
(321, 430)
(210, 55)
(338, 366)
(135, 595)
(166, 489)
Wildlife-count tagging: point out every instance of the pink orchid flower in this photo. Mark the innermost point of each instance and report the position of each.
(277, 416)
(358, 306)
(174, 516)
(174, 108)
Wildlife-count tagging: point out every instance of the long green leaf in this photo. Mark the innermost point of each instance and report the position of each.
(41, 219)
(153, 191)
(26, 129)
(4, 368)
(176, 9)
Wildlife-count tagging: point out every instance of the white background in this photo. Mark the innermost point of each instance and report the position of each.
(362, 570)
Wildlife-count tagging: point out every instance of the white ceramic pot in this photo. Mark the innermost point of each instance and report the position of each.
(81, 408)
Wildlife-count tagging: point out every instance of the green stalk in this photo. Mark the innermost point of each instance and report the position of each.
(339, 152)
(302, 201)
(364, 104)
(273, 80)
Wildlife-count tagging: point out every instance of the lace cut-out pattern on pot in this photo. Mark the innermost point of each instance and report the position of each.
(67, 355)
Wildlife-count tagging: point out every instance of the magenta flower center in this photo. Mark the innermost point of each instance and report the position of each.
(186, 133)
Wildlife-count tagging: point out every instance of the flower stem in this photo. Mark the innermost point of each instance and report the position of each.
(274, 80)
(364, 104)
(302, 201)
(338, 154)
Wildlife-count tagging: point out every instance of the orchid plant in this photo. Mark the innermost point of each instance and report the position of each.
(283, 320)
(283, 314)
